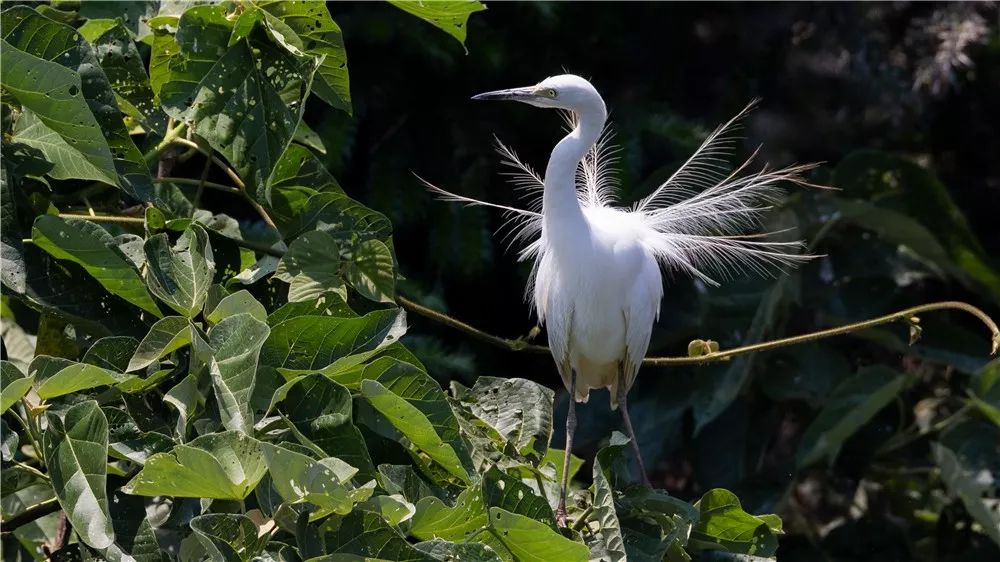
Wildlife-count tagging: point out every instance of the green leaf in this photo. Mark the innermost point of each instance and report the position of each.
(963, 482)
(467, 552)
(365, 534)
(180, 276)
(851, 405)
(312, 267)
(245, 100)
(610, 536)
(724, 525)
(239, 302)
(307, 27)
(13, 385)
(76, 455)
(434, 519)
(225, 466)
(393, 509)
(167, 334)
(13, 272)
(111, 353)
(450, 17)
(325, 483)
(90, 246)
(9, 441)
(58, 377)
(307, 344)
(67, 161)
(333, 212)
(126, 71)
(529, 540)
(518, 409)
(412, 423)
(164, 48)
(371, 272)
(914, 191)
(236, 343)
(509, 493)
(321, 411)
(308, 137)
(59, 96)
(229, 537)
(135, 14)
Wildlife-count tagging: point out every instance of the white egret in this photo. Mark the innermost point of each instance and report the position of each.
(597, 282)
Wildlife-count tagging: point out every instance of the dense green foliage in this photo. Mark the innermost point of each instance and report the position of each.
(204, 359)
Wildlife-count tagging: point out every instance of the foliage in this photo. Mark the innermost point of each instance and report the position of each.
(203, 355)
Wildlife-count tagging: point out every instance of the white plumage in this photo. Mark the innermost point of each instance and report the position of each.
(597, 278)
(597, 282)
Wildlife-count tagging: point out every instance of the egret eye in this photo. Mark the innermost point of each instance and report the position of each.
(549, 93)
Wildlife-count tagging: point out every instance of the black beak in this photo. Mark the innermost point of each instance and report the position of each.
(517, 94)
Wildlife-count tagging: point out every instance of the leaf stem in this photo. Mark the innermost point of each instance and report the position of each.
(168, 138)
(114, 219)
(233, 176)
(581, 521)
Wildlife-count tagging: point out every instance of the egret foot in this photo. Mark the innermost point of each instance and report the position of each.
(570, 429)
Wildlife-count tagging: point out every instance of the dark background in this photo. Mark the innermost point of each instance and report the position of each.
(834, 78)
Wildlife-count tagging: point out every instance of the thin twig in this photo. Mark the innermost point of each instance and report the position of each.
(115, 219)
(196, 183)
(31, 514)
(201, 186)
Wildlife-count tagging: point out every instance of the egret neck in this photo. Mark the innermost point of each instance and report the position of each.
(563, 218)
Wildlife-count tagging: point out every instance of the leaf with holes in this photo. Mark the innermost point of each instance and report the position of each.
(450, 17)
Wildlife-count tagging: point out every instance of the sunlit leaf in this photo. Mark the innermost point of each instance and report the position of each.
(450, 17)
(181, 274)
(325, 483)
(57, 377)
(76, 453)
(126, 71)
(224, 466)
(13, 385)
(530, 541)
(167, 334)
(724, 525)
(90, 246)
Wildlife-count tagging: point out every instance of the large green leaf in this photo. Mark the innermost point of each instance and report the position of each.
(467, 552)
(325, 483)
(245, 100)
(725, 526)
(518, 409)
(57, 377)
(365, 534)
(434, 519)
(371, 272)
(331, 211)
(55, 95)
(510, 493)
(321, 411)
(225, 466)
(912, 190)
(450, 17)
(306, 27)
(13, 385)
(76, 454)
(67, 162)
(111, 353)
(610, 532)
(236, 343)
(166, 335)
(529, 540)
(90, 246)
(229, 537)
(180, 275)
(236, 303)
(124, 66)
(312, 267)
(13, 272)
(306, 344)
(412, 423)
(851, 405)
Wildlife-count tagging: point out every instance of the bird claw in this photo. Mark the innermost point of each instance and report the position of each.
(561, 516)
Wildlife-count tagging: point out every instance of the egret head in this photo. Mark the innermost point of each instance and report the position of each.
(566, 91)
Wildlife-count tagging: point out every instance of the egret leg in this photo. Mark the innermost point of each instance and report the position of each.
(570, 429)
(623, 406)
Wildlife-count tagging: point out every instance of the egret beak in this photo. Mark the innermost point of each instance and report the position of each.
(514, 94)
